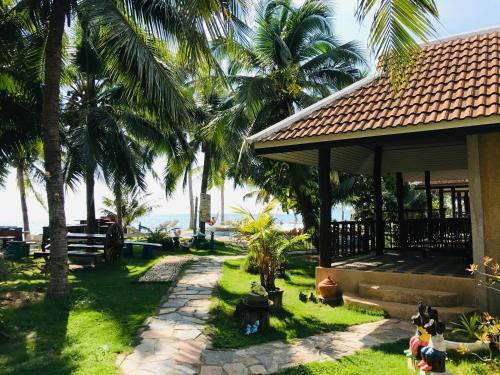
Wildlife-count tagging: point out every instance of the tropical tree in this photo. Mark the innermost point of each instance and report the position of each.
(266, 243)
(131, 32)
(103, 126)
(212, 134)
(292, 60)
(20, 105)
(133, 206)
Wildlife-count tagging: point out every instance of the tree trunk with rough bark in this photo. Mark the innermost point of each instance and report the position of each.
(58, 284)
(305, 205)
(22, 194)
(222, 218)
(119, 205)
(204, 183)
(89, 189)
(192, 219)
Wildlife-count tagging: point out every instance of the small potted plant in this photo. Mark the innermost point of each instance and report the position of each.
(267, 246)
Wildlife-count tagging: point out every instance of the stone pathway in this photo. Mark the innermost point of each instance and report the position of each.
(174, 342)
(275, 356)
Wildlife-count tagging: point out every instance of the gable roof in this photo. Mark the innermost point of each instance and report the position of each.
(456, 78)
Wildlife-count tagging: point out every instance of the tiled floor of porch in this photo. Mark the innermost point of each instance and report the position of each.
(408, 263)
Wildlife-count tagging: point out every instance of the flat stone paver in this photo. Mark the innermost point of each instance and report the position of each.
(174, 342)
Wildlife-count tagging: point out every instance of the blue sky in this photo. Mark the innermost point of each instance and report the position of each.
(457, 16)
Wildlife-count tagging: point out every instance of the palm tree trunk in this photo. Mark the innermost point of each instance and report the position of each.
(119, 205)
(58, 284)
(222, 219)
(305, 205)
(89, 186)
(204, 184)
(22, 193)
(192, 219)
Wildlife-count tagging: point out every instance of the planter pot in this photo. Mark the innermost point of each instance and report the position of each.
(254, 299)
(277, 297)
(328, 289)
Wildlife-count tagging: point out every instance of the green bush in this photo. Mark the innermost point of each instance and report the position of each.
(160, 236)
(249, 264)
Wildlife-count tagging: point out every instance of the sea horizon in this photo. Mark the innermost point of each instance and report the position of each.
(153, 220)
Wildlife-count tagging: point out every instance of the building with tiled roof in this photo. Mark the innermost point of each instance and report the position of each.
(443, 125)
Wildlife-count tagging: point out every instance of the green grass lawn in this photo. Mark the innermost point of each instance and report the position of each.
(387, 359)
(297, 319)
(84, 334)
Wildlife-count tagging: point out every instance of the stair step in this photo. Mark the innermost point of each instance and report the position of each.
(391, 293)
(403, 310)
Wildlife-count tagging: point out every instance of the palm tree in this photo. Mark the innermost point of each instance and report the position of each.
(134, 206)
(211, 134)
(292, 60)
(27, 172)
(103, 125)
(130, 33)
(396, 29)
(20, 105)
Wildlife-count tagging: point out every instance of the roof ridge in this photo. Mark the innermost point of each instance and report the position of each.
(465, 35)
(355, 86)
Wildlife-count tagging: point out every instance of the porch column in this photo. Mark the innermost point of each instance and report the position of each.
(428, 194)
(453, 203)
(377, 191)
(428, 197)
(325, 216)
(467, 203)
(459, 201)
(442, 212)
(401, 210)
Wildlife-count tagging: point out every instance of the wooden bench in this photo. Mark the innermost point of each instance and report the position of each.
(82, 246)
(148, 248)
(71, 254)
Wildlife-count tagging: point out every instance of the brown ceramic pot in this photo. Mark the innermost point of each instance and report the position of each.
(328, 289)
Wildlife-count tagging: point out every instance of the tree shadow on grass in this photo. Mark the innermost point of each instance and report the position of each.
(37, 337)
(105, 310)
(227, 332)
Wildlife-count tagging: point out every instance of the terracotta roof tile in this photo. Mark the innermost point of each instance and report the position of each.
(454, 80)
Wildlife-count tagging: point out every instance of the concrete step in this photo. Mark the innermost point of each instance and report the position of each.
(391, 293)
(403, 310)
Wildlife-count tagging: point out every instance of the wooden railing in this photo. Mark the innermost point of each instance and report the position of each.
(352, 238)
(450, 235)
(445, 235)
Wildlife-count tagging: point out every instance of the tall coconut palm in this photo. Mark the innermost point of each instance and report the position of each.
(130, 41)
(20, 104)
(101, 123)
(212, 134)
(292, 60)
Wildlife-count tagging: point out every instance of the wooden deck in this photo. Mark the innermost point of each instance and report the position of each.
(408, 263)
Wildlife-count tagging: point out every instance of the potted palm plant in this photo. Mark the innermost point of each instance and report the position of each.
(267, 246)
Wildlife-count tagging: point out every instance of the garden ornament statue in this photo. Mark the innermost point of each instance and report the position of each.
(421, 337)
(427, 347)
(252, 328)
(303, 296)
(434, 354)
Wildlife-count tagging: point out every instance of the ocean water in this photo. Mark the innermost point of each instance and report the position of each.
(287, 221)
(154, 220)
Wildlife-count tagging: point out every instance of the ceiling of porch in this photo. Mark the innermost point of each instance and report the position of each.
(445, 160)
